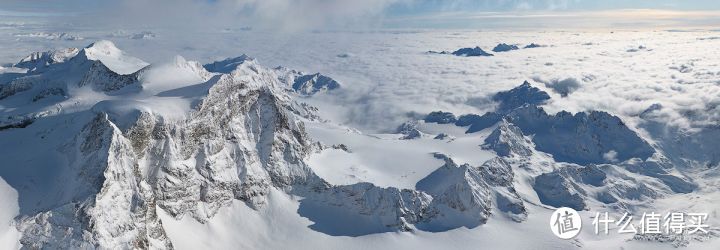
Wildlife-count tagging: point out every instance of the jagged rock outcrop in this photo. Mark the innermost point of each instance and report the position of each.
(477, 123)
(409, 130)
(101, 78)
(242, 140)
(440, 117)
(306, 84)
(582, 138)
(441, 136)
(503, 47)
(474, 122)
(477, 51)
(508, 140)
(227, 65)
(100, 65)
(463, 195)
(525, 94)
(533, 45)
(311, 84)
(108, 203)
(37, 61)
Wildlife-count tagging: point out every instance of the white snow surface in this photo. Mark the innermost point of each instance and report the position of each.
(384, 160)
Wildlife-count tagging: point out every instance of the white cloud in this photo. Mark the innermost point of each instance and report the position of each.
(610, 156)
(284, 15)
(390, 76)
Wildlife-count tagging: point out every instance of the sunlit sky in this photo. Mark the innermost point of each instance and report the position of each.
(421, 6)
(398, 13)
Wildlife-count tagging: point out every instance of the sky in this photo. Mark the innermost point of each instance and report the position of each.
(340, 14)
(400, 6)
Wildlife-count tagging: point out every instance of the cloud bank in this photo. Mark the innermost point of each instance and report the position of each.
(284, 15)
(301, 15)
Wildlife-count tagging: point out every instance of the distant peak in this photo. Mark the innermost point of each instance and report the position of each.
(519, 96)
(477, 51)
(227, 65)
(38, 60)
(103, 47)
(115, 59)
(503, 47)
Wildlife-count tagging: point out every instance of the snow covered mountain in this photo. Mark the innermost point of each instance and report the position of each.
(239, 135)
(589, 148)
(106, 151)
(122, 156)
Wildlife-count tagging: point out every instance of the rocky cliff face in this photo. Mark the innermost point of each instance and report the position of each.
(241, 140)
(107, 203)
(306, 84)
(508, 140)
(582, 138)
(464, 195)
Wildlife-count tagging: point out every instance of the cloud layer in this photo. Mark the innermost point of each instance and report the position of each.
(284, 15)
(294, 15)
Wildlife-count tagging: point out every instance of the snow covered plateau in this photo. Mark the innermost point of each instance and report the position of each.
(151, 139)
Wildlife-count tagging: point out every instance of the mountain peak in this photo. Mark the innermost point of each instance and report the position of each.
(228, 64)
(519, 96)
(115, 59)
(313, 83)
(503, 47)
(103, 47)
(39, 60)
(477, 51)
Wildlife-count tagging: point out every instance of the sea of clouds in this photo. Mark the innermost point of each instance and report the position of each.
(388, 77)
